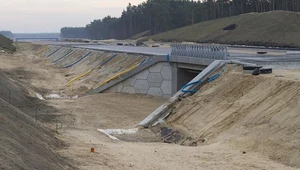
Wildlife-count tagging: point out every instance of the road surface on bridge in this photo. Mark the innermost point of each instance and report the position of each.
(245, 54)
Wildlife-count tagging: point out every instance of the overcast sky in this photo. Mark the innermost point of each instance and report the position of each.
(33, 16)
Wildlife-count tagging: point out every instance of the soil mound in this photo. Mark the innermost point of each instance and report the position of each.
(249, 113)
(6, 44)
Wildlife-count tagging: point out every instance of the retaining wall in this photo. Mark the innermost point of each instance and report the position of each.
(155, 80)
(159, 76)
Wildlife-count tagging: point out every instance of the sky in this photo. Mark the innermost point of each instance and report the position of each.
(49, 16)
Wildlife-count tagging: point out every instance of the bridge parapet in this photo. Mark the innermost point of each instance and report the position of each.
(214, 52)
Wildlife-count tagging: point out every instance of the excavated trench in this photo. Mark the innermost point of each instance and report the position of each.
(251, 114)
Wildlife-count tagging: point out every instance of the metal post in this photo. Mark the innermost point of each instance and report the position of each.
(56, 125)
(9, 96)
(36, 113)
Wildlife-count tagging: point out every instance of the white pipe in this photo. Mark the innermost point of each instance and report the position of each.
(155, 116)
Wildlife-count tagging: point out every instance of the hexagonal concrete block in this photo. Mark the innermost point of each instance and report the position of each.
(156, 68)
(166, 64)
(128, 90)
(141, 85)
(141, 91)
(143, 75)
(129, 82)
(116, 88)
(167, 96)
(155, 79)
(166, 73)
(155, 91)
(166, 87)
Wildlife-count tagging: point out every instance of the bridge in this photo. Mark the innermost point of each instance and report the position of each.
(36, 39)
(164, 75)
(176, 72)
(169, 69)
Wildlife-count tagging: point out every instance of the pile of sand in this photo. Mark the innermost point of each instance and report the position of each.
(249, 113)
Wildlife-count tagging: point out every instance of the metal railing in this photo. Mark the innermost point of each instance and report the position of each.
(36, 110)
(215, 52)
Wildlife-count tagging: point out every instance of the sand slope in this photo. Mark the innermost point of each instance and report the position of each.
(27, 146)
(250, 113)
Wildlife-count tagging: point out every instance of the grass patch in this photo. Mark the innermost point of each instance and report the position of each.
(6, 44)
(276, 28)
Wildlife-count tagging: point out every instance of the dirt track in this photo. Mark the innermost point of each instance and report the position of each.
(81, 117)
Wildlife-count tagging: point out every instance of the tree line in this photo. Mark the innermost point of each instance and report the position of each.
(162, 15)
(73, 32)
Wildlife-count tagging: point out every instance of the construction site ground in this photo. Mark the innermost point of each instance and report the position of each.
(82, 117)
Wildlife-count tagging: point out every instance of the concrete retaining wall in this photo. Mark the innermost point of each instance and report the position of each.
(155, 80)
(162, 76)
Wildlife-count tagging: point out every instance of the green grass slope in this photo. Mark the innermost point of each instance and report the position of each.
(276, 28)
(140, 35)
(6, 44)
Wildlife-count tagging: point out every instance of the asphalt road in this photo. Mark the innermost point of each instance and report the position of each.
(235, 53)
(129, 49)
(241, 54)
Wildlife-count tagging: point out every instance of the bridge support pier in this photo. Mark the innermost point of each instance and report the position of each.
(174, 78)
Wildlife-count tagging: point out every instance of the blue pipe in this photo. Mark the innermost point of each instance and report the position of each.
(189, 84)
(149, 58)
(70, 51)
(145, 61)
(54, 52)
(108, 60)
(68, 66)
(142, 62)
(168, 58)
(214, 77)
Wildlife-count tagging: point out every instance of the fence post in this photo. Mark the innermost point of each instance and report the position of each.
(9, 96)
(58, 125)
(56, 121)
(36, 113)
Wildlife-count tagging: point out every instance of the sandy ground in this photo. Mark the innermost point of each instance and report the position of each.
(254, 51)
(81, 117)
(251, 113)
(96, 73)
(36, 72)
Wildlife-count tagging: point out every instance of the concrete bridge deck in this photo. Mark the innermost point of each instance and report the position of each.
(165, 74)
(240, 53)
